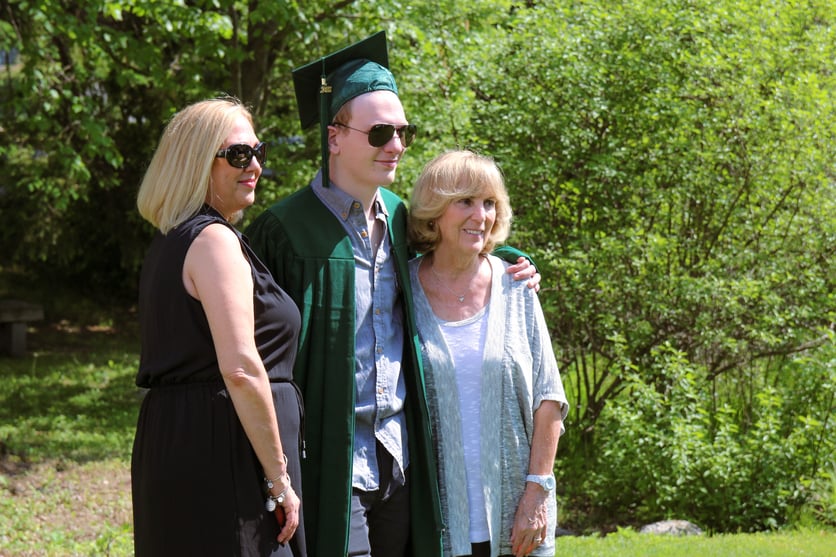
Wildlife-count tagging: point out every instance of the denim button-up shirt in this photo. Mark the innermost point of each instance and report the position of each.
(381, 390)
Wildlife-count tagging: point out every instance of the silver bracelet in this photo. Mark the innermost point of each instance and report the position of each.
(270, 483)
(273, 500)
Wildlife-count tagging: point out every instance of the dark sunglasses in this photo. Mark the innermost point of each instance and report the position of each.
(381, 134)
(241, 154)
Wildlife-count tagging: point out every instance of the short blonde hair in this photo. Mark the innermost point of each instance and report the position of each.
(450, 176)
(343, 115)
(342, 118)
(180, 173)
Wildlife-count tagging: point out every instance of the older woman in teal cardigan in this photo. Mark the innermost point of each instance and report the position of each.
(495, 395)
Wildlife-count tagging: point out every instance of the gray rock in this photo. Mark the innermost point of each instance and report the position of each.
(672, 527)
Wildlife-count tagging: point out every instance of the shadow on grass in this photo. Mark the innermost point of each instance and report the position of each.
(72, 397)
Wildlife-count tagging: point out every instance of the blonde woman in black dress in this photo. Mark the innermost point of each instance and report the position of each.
(216, 455)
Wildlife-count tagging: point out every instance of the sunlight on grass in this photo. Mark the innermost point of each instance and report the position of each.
(53, 509)
(78, 409)
(776, 544)
(68, 413)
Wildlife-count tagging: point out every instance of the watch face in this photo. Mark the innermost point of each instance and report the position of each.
(549, 483)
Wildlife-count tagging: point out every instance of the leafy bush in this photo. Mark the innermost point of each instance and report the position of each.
(670, 163)
(682, 452)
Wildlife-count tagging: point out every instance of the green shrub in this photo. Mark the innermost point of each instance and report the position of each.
(679, 451)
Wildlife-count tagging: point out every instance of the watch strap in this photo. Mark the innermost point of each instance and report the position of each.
(546, 481)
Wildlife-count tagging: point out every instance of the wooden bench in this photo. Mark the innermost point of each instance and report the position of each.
(14, 316)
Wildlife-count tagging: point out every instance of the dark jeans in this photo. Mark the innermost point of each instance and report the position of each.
(380, 519)
(482, 549)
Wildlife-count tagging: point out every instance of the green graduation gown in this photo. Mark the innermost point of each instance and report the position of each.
(307, 250)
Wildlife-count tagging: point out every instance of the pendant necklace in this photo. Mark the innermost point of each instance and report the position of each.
(459, 297)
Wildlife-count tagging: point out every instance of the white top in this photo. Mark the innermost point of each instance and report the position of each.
(467, 359)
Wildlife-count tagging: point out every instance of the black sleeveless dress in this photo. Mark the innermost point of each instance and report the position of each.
(197, 485)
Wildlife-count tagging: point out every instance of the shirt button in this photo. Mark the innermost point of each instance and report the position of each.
(380, 350)
(345, 215)
(356, 205)
(380, 390)
(364, 234)
(377, 312)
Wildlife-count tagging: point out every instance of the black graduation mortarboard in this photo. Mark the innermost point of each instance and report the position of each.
(324, 85)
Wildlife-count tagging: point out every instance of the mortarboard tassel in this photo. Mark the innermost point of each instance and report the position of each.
(324, 109)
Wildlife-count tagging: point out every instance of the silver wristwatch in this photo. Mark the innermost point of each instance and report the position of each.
(546, 482)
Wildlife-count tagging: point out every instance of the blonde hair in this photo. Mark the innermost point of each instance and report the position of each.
(451, 176)
(343, 115)
(179, 176)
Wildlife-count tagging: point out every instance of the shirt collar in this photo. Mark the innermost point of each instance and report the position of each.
(340, 202)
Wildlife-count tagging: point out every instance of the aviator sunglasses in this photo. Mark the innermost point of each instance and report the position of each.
(381, 134)
(241, 154)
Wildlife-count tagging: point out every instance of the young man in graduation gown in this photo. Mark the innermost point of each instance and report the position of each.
(338, 247)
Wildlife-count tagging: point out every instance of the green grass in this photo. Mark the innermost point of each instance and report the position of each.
(67, 418)
(774, 544)
(72, 397)
(64, 509)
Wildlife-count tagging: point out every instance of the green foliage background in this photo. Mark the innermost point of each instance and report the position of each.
(670, 162)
